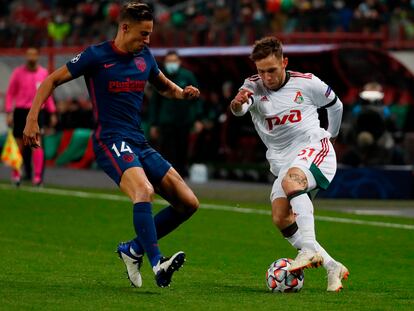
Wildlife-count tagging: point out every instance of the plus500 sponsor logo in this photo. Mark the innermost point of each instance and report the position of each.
(294, 116)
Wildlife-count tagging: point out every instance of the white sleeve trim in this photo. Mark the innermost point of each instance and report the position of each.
(335, 117)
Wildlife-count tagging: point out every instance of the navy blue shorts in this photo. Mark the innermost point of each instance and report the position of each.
(116, 155)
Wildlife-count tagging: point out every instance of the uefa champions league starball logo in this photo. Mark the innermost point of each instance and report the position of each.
(140, 63)
(76, 58)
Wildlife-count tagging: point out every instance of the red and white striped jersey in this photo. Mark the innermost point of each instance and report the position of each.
(287, 118)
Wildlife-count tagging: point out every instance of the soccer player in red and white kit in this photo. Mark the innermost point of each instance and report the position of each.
(283, 106)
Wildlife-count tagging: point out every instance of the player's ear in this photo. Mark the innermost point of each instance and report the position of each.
(124, 27)
(285, 62)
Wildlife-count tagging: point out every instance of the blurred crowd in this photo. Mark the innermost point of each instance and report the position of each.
(373, 133)
(375, 130)
(200, 22)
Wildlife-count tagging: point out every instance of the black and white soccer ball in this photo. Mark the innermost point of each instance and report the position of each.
(280, 280)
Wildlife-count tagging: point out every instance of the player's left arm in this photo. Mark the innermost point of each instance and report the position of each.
(325, 97)
(334, 110)
(169, 89)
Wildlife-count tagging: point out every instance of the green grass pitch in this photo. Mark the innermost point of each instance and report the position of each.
(57, 253)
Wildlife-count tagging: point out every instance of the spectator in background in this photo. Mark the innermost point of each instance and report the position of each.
(58, 29)
(23, 85)
(373, 116)
(75, 113)
(372, 131)
(171, 119)
(207, 141)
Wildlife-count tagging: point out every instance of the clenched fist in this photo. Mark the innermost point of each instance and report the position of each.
(191, 92)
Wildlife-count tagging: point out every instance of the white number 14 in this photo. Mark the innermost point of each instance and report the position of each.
(124, 147)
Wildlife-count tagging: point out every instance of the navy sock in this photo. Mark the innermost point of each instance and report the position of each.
(169, 219)
(165, 221)
(146, 232)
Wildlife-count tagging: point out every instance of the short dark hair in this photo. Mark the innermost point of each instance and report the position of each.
(265, 47)
(136, 12)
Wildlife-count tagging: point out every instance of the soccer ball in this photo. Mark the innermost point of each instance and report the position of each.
(279, 279)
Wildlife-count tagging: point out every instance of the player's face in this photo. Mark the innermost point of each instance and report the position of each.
(138, 35)
(272, 71)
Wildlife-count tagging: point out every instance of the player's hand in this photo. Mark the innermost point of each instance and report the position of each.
(237, 102)
(191, 92)
(9, 119)
(31, 134)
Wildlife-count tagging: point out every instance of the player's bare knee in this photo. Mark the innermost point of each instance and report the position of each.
(142, 193)
(294, 181)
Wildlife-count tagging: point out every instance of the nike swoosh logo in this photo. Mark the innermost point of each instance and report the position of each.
(106, 66)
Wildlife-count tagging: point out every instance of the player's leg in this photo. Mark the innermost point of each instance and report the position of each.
(183, 202)
(312, 171)
(135, 184)
(115, 157)
(291, 228)
(170, 186)
(284, 219)
(137, 187)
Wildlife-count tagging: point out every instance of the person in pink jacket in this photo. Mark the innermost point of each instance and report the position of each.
(23, 85)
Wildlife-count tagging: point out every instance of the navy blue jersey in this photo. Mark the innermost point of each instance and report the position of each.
(115, 82)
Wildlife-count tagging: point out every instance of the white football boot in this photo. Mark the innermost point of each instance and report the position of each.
(336, 274)
(306, 259)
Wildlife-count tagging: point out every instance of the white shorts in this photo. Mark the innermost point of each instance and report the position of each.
(316, 160)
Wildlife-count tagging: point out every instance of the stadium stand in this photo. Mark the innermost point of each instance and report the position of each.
(195, 22)
(348, 47)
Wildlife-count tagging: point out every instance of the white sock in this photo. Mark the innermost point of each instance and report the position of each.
(303, 208)
(327, 259)
(296, 241)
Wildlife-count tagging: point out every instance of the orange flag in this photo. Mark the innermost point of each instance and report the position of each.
(11, 154)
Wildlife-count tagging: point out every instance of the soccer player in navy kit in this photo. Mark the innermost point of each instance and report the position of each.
(116, 73)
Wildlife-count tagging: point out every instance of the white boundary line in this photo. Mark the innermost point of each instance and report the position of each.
(228, 208)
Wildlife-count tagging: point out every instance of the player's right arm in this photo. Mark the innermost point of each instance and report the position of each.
(240, 103)
(31, 132)
(244, 98)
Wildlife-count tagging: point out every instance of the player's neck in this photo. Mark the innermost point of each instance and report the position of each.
(284, 81)
(119, 45)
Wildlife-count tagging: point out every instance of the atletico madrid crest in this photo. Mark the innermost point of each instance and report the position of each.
(140, 63)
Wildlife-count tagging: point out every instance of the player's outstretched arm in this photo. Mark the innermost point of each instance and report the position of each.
(169, 89)
(31, 132)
